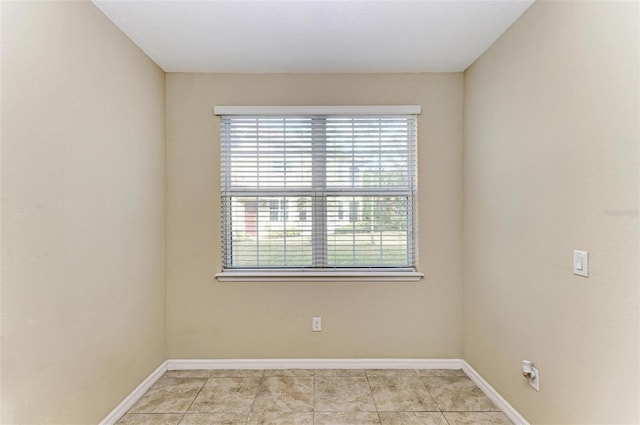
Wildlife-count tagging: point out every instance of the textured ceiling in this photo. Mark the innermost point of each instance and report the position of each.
(307, 36)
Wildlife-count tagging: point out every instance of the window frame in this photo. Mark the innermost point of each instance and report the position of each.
(358, 274)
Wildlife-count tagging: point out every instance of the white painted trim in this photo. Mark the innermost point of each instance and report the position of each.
(318, 110)
(182, 364)
(135, 395)
(502, 404)
(324, 276)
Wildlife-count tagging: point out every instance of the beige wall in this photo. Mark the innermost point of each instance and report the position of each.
(83, 214)
(550, 164)
(209, 319)
(551, 152)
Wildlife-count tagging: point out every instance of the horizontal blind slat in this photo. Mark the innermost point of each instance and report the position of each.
(286, 179)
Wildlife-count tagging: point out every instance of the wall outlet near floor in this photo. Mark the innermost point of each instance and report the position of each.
(316, 324)
(535, 380)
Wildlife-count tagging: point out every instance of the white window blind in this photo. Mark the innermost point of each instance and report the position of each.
(318, 192)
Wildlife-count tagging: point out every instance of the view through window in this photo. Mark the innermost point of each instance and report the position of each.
(318, 192)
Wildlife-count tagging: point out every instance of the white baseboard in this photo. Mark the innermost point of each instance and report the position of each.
(183, 364)
(503, 404)
(135, 395)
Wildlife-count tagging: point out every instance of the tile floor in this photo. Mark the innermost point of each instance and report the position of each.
(315, 397)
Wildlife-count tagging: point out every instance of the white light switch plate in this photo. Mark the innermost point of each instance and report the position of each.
(581, 263)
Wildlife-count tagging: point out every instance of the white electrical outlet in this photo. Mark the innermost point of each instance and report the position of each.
(535, 380)
(316, 324)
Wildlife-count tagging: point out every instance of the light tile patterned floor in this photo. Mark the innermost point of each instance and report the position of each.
(315, 397)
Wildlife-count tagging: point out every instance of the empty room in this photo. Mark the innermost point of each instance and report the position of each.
(320, 212)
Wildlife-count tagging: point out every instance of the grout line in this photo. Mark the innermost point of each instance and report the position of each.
(255, 396)
(313, 411)
(431, 395)
(366, 375)
(192, 401)
(445, 418)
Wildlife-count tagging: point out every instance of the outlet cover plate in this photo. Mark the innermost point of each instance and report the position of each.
(316, 324)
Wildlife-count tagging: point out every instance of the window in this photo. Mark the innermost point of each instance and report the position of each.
(314, 194)
(277, 209)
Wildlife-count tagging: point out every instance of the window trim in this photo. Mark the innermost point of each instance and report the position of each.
(289, 275)
(308, 275)
(319, 110)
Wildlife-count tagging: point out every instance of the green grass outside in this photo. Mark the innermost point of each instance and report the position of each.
(386, 249)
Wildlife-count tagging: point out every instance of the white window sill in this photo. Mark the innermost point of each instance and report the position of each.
(318, 276)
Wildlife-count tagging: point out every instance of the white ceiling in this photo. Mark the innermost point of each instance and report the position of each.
(303, 36)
